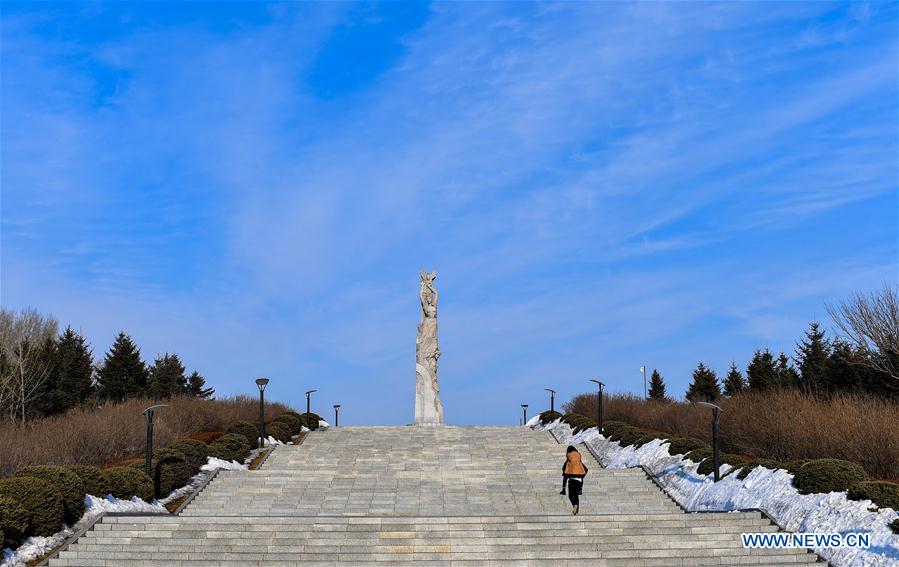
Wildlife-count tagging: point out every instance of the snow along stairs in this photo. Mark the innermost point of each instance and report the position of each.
(426, 496)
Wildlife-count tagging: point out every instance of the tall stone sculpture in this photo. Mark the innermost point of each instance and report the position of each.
(428, 409)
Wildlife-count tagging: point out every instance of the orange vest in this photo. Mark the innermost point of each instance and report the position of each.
(574, 465)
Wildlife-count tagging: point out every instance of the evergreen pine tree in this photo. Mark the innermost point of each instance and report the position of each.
(734, 383)
(843, 374)
(762, 372)
(813, 355)
(73, 371)
(167, 376)
(787, 377)
(656, 386)
(123, 374)
(45, 401)
(705, 385)
(195, 386)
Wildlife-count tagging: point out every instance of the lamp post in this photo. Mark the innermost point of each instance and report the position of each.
(524, 408)
(643, 370)
(308, 400)
(599, 403)
(552, 400)
(149, 413)
(716, 414)
(261, 383)
(336, 411)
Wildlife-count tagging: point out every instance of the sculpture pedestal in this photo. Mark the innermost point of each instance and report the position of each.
(428, 409)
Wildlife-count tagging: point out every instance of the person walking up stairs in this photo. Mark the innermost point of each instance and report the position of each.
(573, 472)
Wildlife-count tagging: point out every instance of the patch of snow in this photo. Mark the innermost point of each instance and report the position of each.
(322, 424)
(33, 548)
(533, 421)
(215, 463)
(96, 505)
(771, 490)
(272, 441)
(36, 546)
(304, 429)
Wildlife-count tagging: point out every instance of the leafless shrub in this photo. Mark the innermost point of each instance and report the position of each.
(871, 324)
(95, 436)
(780, 424)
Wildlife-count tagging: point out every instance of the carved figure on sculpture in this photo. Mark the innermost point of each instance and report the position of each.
(428, 409)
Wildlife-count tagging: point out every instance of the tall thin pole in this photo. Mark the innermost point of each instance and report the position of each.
(715, 444)
(643, 368)
(600, 408)
(261, 418)
(598, 403)
(150, 443)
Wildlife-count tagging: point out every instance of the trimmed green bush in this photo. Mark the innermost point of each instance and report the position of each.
(279, 430)
(194, 451)
(90, 479)
(611, 427)
(619, 432)
(647, 437)
(173, 469)
(230, 447)
(827, 475)
(310, 420)
(297, 415)
(699, 455)
(30, 506)
(627, 435)
(67, 483)
(125, 482)
(249, 431)
(793, 466)
(549, 417)
(883, 494)
(578, 422)
(291, 421)
(683, 445)
(708, 465)
(750, 466)
(631, 436)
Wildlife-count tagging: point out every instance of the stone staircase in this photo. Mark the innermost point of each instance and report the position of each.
(426, 496)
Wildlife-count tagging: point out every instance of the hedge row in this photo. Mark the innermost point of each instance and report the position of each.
(809, 475)
(549, 417)
(38, 500)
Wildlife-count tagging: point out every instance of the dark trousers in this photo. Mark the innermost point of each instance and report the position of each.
(574, 490)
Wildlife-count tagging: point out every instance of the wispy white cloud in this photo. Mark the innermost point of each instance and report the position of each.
(593, 182)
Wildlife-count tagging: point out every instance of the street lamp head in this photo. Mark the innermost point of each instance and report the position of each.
(597, 382)
(336, 406)
(712, 407)
(261, 382)
(550, 390)
(151, 409)
(524, 405)
(310, 391)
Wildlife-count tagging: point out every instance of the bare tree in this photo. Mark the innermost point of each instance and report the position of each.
(871, 324)
(25, 366)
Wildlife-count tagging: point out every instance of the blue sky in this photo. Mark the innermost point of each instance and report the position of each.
(255, 186)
